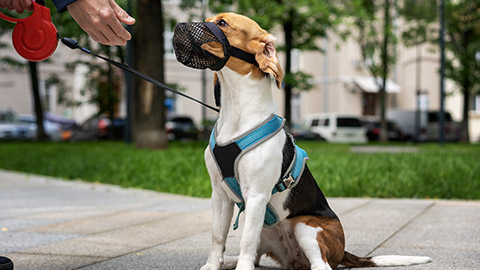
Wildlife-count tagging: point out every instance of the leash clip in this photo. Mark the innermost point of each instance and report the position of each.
(34, 37)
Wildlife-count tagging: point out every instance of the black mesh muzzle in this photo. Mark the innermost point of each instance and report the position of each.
(187, 41)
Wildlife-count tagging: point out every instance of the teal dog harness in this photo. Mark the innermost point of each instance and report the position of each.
(227, 156)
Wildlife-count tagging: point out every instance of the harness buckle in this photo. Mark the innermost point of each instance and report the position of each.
(288, 181)
(285, 183)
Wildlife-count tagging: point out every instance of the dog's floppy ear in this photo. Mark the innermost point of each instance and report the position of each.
(266, 56)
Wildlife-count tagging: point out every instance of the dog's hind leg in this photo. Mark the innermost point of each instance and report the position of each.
(321, 239)
(307, 240)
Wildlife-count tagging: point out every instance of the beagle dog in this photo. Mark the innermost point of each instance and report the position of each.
(287, 217)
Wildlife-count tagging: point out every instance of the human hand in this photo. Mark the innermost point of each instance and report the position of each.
(102, 20)
(18, 5)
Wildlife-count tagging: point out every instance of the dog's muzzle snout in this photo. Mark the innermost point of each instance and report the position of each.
(187, 41)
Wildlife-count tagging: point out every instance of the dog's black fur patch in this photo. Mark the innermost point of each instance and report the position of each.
(288, 152)
(305, 198)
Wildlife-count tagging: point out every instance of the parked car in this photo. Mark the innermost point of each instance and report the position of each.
(67, 124)
(300, 132)
(181, 127)
(451, 129)
(52, 130)
(428, 125)
(373, 130)
(12, 129)
(99, 127)
(338, 128)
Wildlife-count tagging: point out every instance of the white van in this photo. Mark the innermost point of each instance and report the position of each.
(338, 128)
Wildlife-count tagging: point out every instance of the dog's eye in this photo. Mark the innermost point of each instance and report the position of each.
(222, 23)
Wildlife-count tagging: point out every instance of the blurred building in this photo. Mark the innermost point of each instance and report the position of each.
(15, 85)
(342, 83)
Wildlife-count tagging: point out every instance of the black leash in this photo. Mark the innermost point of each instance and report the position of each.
(73, 44)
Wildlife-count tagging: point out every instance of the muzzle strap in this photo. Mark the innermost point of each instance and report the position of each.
(226, 45)
(240, 54)
(228, 49)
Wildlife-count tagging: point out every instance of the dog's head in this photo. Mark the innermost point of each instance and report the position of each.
(196, 45)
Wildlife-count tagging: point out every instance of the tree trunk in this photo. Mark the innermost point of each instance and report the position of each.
(41, 136)
(386, 29)
(464, 134)
(288, 29)
(148, 127)
(466, 40)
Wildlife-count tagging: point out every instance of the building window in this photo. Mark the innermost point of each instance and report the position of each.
(476, 103)
(168, 37)
(45, 95)
(296, 105)
(423, 102)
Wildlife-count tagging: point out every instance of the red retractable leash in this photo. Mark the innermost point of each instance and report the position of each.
(34, 37)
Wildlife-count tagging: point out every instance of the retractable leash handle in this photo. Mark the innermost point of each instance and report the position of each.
(34, 37)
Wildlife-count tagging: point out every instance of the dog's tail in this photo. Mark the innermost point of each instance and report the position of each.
(351, 260)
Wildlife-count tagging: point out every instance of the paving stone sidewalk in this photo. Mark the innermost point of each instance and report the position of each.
(46, 223)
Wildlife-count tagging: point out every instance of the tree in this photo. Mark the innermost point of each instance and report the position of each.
(33, 67)
(373, 28)
(462, 43)
(148, 113)
(148, 100)
(303, 22)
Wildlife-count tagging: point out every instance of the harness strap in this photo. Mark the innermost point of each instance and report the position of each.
(295, 171)
(271, 126)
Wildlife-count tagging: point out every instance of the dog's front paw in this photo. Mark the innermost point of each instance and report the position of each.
(210, 266)
(230, 262)
(245, 265)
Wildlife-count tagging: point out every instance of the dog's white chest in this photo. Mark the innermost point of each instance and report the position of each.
(242, 169)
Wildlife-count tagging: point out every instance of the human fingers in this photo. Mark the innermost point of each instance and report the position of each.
(117, 28)
(3, 4)
(121, 14)
(111, 27)
(26, 4)
(99, 37)
(17, 5)
(9, 4)
(112, 36)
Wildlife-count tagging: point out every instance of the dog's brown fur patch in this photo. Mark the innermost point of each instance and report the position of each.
(331, 239)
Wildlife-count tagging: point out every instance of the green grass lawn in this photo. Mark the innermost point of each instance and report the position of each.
(451, 171)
